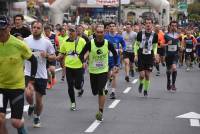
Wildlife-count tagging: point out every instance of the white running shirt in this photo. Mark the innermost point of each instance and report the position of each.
(37, 46)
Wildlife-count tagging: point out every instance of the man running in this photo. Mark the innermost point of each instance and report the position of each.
(43, 50)
(161, 48)
(172, 39)
(70, 50)
(116, 40)
(145, 52)
(98, 65)
(13, 53)
(51, 65)
(128, 55)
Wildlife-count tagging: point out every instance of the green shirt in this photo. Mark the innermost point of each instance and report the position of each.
(72, 49)
(12, 55)
(98, 58)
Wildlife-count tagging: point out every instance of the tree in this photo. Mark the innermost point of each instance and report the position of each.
(194, 8)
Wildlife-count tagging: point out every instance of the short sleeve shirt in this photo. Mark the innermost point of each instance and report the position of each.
(12, 55)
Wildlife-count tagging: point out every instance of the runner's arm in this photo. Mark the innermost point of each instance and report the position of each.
(114, 52)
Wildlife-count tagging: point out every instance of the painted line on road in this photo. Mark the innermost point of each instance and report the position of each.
(194, 123)
(93, 126)
(134, 81)
(58, 69)
(127, 90)
(114, 104)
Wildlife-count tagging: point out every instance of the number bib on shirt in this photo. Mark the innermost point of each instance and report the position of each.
(172, 48)
(98, 64)
(146, 51)
(37, 54)
(188, 50)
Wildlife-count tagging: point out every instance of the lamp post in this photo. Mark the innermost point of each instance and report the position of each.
(119, 12)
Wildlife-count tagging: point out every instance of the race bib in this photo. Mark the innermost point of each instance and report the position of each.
(172, 48)
(37, 54)
(146, 51)
(1, 100)
(188, 50)
(98, 64)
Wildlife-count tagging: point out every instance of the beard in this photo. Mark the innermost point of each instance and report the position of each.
(37, 36)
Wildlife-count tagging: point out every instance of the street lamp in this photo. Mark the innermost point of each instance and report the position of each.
(119, 12)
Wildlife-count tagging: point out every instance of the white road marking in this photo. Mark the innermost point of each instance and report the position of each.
(114, 104)
(127, 90)
(93, 126)
(194, 123)
(134, 81)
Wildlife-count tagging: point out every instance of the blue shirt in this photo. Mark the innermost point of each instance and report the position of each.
(116, 40)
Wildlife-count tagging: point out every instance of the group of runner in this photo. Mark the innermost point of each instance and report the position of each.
(100, 49)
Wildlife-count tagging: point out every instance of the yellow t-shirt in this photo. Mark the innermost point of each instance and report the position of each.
(12, 55)
(72, 50)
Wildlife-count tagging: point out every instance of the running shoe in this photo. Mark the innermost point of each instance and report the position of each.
(73, 107)
(112, 95)
(140, 88)
(127, 79)
(36, 122)
(99, 116)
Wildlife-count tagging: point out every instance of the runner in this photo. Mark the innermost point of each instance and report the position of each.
(51, 65)
(161, 49)
(19, 28)
(116, 40)
(145, 50)
(62, 37)
(43, 50)
(172, 39)
(128, 55)
(98, 65)
(189, 43)
(69, 50)
(198, 50)
(13, 52)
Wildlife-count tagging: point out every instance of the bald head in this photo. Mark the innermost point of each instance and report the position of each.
(157, 28)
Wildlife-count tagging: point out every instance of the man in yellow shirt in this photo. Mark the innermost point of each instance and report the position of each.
(13, 52)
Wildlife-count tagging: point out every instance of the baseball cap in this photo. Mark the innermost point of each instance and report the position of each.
(4, 22)
(72, 28)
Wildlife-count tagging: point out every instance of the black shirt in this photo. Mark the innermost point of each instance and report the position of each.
(24, 31)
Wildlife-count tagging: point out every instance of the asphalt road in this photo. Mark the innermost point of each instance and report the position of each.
(130, 113)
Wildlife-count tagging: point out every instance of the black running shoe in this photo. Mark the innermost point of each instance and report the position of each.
(140, 88)
(132, 73)
(127, 79)
(106, 91)
(112, 95)
(169, 87)
(174, 88)
(80, 92)
(36, 122)
(145, 93)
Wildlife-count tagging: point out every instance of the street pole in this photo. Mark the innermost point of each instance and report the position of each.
(119, 12)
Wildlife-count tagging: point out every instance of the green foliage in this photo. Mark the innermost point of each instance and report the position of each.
(194, 17)
(194, 8)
